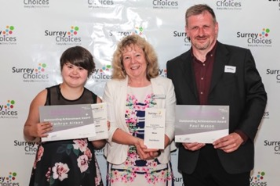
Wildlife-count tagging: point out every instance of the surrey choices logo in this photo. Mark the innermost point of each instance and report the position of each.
(162, 72)
(69, 37)
(100, 3)
(9, 180)
(139, 30)
(258, 180)
(275, 73)
(102, 74)
(165, 4)
(30, 148)
(36, 3)
(120, 34)
(257, 39)
(183, 37)
(272, 144)
(37, 74)
(228, 5)
(8, 110)
(7, 35)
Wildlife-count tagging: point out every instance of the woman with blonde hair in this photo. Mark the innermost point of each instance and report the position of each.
(135, 86)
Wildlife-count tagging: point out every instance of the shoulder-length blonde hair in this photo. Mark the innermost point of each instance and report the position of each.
(150, 56)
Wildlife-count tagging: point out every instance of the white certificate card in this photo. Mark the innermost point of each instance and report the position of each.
(201, 123)
(100, 120)
(69, 121)
(154, 128)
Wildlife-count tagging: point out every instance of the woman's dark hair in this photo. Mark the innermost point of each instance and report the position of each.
(78, 56)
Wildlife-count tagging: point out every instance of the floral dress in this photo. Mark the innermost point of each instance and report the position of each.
(135, 171)
(66, 162)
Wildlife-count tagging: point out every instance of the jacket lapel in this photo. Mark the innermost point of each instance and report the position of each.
(121, 100)
(219, 65)
(158, 91)
(188, 73)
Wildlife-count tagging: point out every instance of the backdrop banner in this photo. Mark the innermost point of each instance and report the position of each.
(34, 33)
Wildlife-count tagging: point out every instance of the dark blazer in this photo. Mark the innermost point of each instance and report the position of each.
(242, 89)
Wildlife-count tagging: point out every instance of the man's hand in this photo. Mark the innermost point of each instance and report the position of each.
(193, 146)
(228, 143)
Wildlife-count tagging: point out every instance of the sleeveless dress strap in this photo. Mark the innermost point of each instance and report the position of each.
(48, 101)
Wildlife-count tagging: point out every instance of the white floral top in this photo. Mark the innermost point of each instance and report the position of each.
(134, 170)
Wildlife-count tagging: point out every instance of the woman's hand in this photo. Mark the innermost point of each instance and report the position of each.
(145, 153)
(40, 129)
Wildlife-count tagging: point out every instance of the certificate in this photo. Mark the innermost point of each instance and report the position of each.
(100, 120)
(69, 121)
(154, 128)
(201, 123)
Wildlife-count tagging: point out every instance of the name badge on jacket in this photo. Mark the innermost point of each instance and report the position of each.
(230, 69)
(159, 96)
